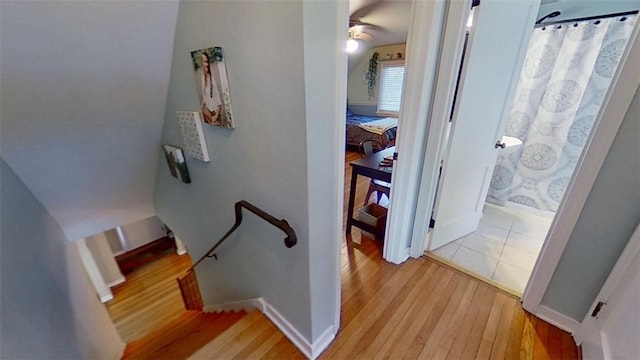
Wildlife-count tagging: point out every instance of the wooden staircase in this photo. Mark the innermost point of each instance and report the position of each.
(183, 336)
(227, 335)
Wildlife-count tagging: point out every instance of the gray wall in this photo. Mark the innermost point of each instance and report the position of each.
(84, 85)
(49, 308)
(264, 160)
(142, 232)
(103, 257)
(608, 219)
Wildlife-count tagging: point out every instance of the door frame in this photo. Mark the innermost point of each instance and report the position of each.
(508, 77)
(590, 323)
(415, 178)
(422, 55)
(614, 108)
(451, 58)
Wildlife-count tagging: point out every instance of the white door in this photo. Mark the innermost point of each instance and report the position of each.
(613, 331)
(498, 43)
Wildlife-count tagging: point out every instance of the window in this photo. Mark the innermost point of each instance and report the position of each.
(390, 91)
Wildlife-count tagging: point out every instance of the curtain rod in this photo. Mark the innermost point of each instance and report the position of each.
(586, 18)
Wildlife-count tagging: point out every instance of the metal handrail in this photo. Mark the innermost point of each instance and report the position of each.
(289, 241)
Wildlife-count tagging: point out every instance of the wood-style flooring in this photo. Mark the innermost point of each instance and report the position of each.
(150, 298)
(421, 309)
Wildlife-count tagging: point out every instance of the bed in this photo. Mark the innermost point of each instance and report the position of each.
(386, 132)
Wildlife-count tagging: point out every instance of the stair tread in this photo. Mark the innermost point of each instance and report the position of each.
(243, 334)
(191, 330)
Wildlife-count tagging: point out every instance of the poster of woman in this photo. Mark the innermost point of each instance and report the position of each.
(213, 86)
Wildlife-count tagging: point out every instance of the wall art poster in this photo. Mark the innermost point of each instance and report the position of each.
(213, 86)
(193, 135)
(177, 163)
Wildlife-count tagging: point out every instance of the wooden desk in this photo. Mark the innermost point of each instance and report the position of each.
(370, 167)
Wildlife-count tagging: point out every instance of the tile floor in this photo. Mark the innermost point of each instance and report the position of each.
(505, 246)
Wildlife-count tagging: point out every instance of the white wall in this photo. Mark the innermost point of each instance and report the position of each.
(141, 232)
(84, 85)
(49, 308)
(264, 160)
(358, 93)
(103, 257)
(606, 223)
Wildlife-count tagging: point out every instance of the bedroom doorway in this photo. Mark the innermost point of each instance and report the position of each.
(376, 69)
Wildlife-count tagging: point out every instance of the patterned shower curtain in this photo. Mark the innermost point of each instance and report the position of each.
(567, 72)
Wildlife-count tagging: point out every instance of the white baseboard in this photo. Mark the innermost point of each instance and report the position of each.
(311, 351)
(106, 297)
(557, 319)
(181, 251)
(117, 282)
(246, 305)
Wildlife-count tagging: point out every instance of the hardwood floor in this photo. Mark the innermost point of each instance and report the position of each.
(421, 309)
(182, 337)
(150, 298)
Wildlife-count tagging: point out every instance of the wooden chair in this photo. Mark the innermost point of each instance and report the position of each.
(368, 147)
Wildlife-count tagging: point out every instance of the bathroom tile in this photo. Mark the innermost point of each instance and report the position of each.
(531, 227)
(524, 242)
(483, 245)
(496, 216)
(475, 261)
(511, 276)
(447, 251)
(493, 232)
(519, 258)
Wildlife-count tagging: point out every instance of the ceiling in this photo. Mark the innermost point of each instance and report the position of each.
(84, 87)
(391, 18)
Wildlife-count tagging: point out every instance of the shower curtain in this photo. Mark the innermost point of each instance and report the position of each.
(566, 74)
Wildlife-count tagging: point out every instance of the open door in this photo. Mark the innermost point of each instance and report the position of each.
(497, 47)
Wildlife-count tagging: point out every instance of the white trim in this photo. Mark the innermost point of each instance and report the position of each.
(557, 319)
(118, 281)
(362, 104)
(450, 61)
(247, 305)
(311, 351)
(323, 342)
(181, 248)
(423, 44)
(342, 75)
(105, 298)
(614, 108)
(102, 290)
(624, 261)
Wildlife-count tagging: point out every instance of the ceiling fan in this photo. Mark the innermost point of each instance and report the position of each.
(358, 29)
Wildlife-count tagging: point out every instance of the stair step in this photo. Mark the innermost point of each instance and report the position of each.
(253, 337)
(183, 336)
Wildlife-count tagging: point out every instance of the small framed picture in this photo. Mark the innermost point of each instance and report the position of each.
(177, 163)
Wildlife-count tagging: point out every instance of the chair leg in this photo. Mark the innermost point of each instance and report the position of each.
(372, 188)
(378, 195)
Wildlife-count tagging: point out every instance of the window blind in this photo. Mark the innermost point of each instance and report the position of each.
(391, 80)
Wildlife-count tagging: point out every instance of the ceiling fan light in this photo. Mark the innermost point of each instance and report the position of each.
(352, 45)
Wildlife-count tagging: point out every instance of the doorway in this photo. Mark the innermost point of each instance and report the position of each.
(567, 71)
